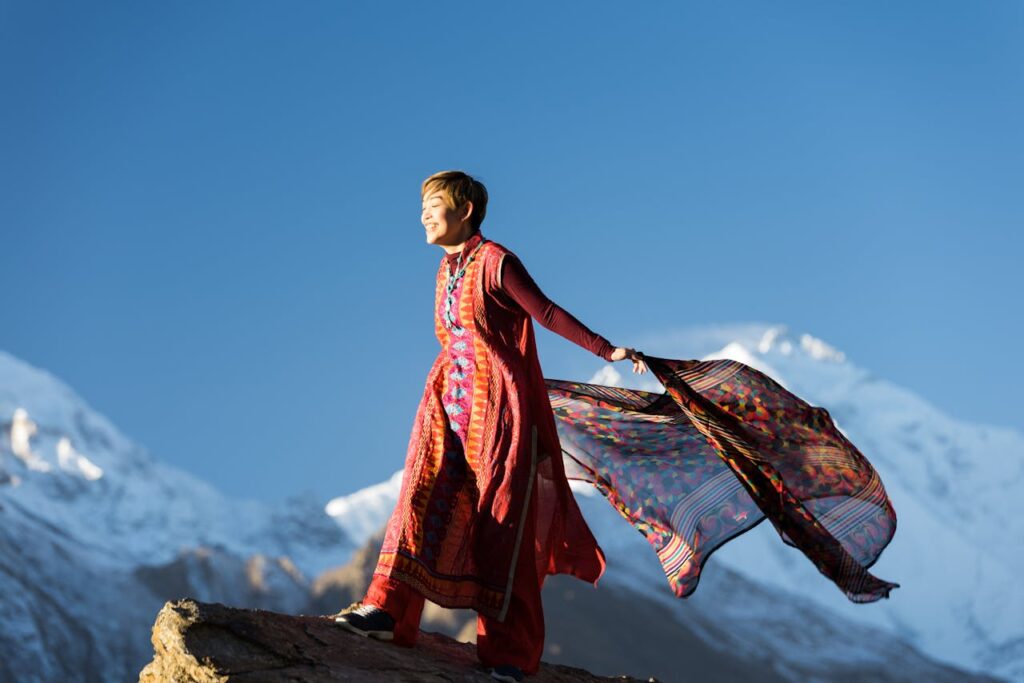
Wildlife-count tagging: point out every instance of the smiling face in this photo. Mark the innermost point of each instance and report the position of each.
(445, 226)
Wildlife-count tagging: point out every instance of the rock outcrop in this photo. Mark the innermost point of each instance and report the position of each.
(197, 642)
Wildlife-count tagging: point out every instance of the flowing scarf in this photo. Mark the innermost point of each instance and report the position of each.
(723, 448)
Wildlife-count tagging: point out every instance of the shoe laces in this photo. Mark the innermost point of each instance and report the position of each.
(366, 610)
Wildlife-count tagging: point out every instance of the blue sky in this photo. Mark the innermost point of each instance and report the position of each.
(212, 209)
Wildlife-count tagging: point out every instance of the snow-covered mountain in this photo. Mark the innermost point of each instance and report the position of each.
(95, 534)
(956, 552)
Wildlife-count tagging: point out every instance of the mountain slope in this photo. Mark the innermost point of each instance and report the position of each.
(95, 535)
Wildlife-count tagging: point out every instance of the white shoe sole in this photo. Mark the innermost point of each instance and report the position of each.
(376, 635)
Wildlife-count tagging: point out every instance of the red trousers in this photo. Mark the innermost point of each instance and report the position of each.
(518, 641)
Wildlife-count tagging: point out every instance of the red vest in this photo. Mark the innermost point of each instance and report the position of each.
(456, 537)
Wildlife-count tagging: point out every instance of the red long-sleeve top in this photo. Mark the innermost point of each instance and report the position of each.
(518, 284)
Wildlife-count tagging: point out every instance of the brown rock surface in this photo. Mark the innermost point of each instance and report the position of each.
(197, 642)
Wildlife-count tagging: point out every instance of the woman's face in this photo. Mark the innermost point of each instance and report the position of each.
(445, 226)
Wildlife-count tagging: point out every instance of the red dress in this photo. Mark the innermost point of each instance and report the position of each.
(485, 512)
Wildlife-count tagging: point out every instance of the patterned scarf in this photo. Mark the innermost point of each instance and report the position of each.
(721, 450)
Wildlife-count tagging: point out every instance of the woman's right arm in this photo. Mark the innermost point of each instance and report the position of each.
(518, 284)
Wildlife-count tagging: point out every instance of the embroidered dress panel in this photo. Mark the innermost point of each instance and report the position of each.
(458, 386)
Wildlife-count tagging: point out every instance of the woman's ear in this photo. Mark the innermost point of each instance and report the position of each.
(468, 210)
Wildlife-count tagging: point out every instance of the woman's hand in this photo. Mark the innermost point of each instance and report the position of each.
(621, 353)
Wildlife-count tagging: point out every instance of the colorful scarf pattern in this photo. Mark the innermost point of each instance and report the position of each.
(722, 449)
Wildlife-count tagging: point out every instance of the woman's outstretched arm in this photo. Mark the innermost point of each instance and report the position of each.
(518, 284)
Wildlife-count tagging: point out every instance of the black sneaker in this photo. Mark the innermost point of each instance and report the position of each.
(370, 621)
(512, 674)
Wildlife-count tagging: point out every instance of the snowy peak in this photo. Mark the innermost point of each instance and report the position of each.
(361, 514)
(777, 338)
(48, 430)
(65, 465)
(760, 346)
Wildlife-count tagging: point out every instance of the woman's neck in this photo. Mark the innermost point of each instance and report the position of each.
(451, 249)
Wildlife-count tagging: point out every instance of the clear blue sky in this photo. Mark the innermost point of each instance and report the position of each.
(211, 210)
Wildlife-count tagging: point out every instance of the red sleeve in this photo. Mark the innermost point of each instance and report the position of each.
(518, 284)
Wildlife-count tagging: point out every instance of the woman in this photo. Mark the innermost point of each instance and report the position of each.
(485, 512)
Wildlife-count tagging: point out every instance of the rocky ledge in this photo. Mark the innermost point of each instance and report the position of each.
(196, 642)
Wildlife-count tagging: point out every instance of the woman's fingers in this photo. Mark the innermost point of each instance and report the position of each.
(639, 366)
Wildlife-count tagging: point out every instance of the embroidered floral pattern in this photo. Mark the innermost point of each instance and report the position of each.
(458, 394)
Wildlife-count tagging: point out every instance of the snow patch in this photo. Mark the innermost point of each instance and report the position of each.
(21, 432)
(71, 460)
(606, 375)
(361, 514)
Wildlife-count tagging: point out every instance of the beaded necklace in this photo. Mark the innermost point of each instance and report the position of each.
(453, 280)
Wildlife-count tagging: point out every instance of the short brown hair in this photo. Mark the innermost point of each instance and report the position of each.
(456, 189)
